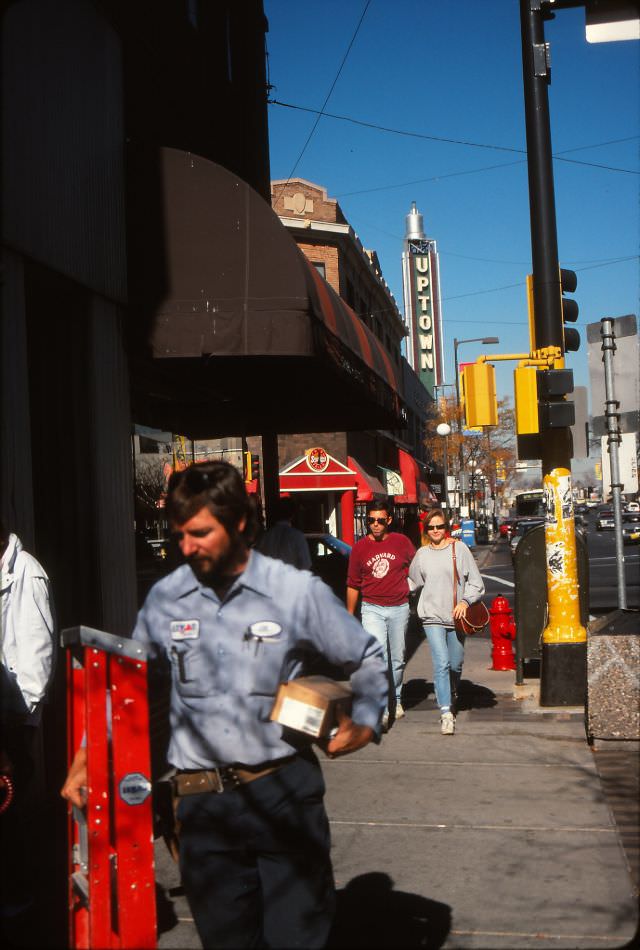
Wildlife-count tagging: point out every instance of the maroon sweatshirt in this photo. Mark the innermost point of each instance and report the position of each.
(379, 569)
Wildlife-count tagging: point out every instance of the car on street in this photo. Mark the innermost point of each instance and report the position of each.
(522, 527)
(634, 507)
(506, 527)
(605, 521)
(330, 560)
(631, 532)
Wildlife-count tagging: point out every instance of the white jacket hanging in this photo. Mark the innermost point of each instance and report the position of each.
(27, 631)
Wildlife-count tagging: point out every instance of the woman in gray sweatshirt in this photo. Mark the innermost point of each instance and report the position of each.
(432, 569)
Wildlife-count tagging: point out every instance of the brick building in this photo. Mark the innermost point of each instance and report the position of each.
(381, 461)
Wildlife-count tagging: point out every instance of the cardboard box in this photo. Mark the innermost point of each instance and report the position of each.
(310, 704)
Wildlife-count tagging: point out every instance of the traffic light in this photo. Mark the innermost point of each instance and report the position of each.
(255, 468)
(568, 284)
(540, 399)
(480, 403)
(554, 411)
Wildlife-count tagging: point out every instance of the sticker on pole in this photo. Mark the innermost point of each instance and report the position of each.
(134, 788)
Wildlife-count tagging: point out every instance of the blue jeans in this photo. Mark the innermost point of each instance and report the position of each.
(389, 626)
(447, 655)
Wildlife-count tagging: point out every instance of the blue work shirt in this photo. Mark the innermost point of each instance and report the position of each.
(228, 657)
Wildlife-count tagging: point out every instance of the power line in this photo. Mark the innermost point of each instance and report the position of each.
(438, 138)
(333, 84)
(521, 283)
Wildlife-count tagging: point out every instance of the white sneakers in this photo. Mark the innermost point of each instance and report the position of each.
(400, 713)
(447, 724)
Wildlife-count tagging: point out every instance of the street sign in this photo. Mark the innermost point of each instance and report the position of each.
(628, 461)
(626, 361)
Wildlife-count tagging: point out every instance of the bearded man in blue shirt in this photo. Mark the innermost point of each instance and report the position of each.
(230, 625)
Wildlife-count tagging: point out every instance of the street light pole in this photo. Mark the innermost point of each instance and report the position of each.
(486, 341)
(444, 430)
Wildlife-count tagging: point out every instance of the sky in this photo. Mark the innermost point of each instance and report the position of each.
(452, 69)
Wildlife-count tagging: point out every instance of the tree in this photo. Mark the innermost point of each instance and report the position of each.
(492, 449)
(150, 480)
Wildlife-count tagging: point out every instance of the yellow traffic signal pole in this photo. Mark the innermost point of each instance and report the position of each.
(563, 668)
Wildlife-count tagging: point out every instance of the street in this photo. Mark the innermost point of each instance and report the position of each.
(498, 571)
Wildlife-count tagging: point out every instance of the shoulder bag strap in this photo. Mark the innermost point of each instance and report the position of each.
(456, 577)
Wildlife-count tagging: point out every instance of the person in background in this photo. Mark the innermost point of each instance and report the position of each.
(28, 653)
(228, 626)
(378, 570)
(433, 569)
(285, 542)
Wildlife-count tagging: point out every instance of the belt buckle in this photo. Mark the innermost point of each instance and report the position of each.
(227, 778)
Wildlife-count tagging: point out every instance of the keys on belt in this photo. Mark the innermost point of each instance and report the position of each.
(223, 779)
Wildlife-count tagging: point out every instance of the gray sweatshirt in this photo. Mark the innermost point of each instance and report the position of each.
(433, 568)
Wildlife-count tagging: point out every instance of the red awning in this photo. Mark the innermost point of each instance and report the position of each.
(410, 474)
(368, 485)
(347, 326)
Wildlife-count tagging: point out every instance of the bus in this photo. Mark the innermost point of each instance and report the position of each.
(529, 504)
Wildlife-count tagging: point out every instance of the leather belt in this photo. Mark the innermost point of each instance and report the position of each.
(222, 779)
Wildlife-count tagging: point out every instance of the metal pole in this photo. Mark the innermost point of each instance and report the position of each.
(613, 441)
(563, 670)
(446, 477)
(459, 420)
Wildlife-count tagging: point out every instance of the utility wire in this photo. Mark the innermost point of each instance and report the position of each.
(333, 85)
(521, 283)
(439, 138)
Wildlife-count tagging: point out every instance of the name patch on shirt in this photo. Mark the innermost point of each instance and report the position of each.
(185, 629)
(264, 630)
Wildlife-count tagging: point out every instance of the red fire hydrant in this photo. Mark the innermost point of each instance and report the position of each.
(503, 633)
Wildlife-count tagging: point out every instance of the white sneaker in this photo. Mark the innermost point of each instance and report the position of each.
(385, 722)
(400, 713)
(447, 724)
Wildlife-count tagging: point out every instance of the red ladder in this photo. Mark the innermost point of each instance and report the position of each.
(111, 861)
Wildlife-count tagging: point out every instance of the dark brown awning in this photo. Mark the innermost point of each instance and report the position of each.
(247, 336)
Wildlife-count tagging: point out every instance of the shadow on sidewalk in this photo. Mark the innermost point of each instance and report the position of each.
(370, 914)
(419, 694)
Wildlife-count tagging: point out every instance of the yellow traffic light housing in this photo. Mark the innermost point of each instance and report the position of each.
(525, 385)
(480, 403)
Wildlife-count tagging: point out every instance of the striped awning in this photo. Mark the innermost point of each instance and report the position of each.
(244, 321)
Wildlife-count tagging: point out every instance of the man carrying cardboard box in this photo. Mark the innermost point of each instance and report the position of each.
(229, 626)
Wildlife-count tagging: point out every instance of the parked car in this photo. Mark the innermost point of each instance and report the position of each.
(633, 506)
(605, 520)
(506, 527)
(522, 527)
(631, 532)
(330, 560)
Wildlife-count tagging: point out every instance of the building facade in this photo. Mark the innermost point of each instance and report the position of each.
(388, 462)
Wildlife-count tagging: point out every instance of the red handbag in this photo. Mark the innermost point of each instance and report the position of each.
(477, 615)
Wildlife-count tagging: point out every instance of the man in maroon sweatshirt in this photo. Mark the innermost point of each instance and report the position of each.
(378, 570)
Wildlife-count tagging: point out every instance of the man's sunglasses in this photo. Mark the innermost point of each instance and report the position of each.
(436, 527)
(377, 520)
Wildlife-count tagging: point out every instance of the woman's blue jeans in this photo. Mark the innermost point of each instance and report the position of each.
(389, 626)
(447, 655)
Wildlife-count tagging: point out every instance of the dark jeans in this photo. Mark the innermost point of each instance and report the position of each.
(255, 861)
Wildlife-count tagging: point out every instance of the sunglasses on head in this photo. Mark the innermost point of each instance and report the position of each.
(195, 479)
(436, 527)
(377, 520)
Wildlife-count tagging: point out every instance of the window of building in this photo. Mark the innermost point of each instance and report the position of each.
(321, 268)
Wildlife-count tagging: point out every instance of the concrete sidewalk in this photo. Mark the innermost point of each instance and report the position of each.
(497, 837)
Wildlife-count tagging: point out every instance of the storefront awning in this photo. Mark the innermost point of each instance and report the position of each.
(244, 334)
(316, 470)
(368, 485)
(410, 472)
